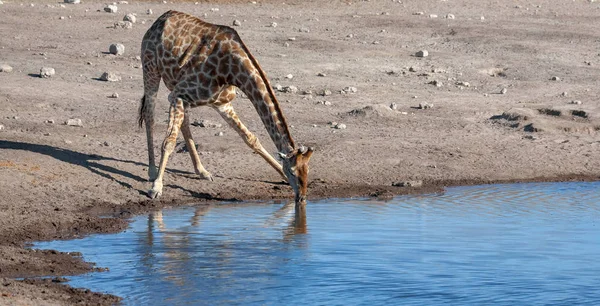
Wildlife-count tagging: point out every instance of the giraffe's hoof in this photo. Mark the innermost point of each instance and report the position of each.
(205, 175)
(153, 194)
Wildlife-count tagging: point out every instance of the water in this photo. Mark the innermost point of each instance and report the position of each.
(517, 244)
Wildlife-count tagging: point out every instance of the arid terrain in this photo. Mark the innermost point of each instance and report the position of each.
(513, 87)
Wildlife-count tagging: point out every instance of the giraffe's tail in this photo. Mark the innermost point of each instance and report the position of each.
(142, 111)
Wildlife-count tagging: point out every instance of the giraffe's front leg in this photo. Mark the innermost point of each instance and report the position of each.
(176, 115)
(191, 146)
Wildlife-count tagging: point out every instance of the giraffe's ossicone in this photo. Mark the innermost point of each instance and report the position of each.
(202, 64)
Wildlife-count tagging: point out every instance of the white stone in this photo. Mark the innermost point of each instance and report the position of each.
(110, 77)
(273, 24)
(130, 17)
(340, 126)
(114, 95)
(433, 16)
(394, 106)
(116, 49)
(291, 89)
(74, 122)
(123, 25)
(47, 72)
(5, 68)
(237, 23)
(111, 9)
(289, 76)
(350, 89)
(422, 53)
(555, 78)
(503, 91)
(450, 16)
(149, 12)
(73, 1)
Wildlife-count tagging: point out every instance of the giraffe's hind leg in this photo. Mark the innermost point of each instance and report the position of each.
(191, 146)
(176, 116)
(151, 85)
(225, 109)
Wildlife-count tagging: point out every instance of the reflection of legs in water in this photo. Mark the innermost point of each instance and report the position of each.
(200, 212)
(296, 224)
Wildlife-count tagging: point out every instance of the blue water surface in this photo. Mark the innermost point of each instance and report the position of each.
(512, 244)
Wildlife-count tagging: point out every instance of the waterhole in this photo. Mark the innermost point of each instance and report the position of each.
(513, 244)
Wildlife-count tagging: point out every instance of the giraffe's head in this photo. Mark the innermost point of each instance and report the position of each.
(295, 166)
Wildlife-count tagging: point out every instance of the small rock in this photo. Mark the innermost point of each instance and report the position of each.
(290, 89)
(111, 9)
(123, 25)
(106, 144)
(273, 24)
(422, 53)
(73, 1)
(418, 13)
(482, 18)
(305, 30)
(219, 134)
(436, 83)
(325, 92)
(237, 23)
(289, 76)
(2, 125)
(425, 105)
(394, 106)
(206, 124)
(564, 94)
(450, 16)
(149, 12)
(292, 38)
(130, 17)
(350, 89)
(74, 122)
(464, 84)
(340, 126)
(555, 78)
(412, 69)
(416, 184)
(114, 95)
(47, 72)
(326, 103)
(61, 17)
(50, 121)
(503, 91)
(6, 68)
(433, 16)
(278, 87)
(116, 49)
(578, 102)
(110, 77)
(321, 74)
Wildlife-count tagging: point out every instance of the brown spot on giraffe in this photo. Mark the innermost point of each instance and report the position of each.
(202, 64)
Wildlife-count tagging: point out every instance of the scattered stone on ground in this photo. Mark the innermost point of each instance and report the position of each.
(290, 89)
(149, 12)
(564, 94)
(123, 25)
(116, 49)
(110, 77)
(425, 105)
(1, 125)
(416, 184)
(503, 91)
(130, 17)
(114, 95)
(111, 8)
(47, 72)
(206, 124)
(436, 83)
(350, 89)
(394, 106)
(325, 92)
(289, 76)
(433, 16)
(74, 122)
(5, 68)
(577, 102)
(418, 13)
(219, 134)
(321, 74)
(450, 16)
(304, 29)
(273, 24)
(463, 84)
(237, 23)
(422, 53)
(412, 69)
(73, 1)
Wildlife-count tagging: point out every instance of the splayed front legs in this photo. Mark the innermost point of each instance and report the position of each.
(191, 146)
(176, 117)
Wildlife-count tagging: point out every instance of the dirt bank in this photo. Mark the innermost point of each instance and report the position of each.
(57, 180)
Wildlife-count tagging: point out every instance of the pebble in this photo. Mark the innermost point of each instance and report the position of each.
(290, 89)
(422, 53)
(464, 84)
(321, 74)
(436, 83)
(350, 89)
(114, 95)
(555, 78)
(305, 30)
(326, 92)
(340, 126)
(116, 49)
(219, 134)
(417, 183)
(289, 76)
(412, 69)
(425, 105)
(564, 94)
(61, 17)
(123, 25)
(110, 77)
(50, 121)
(326, 103)
(74, 122)
(47, 72)
(394, 106)
(292, 38)
(418, 13)
(6, 68)
(433, 16)
(149, 12)
(106, 144)
(503, 91)
(237, 23)
(111, 9)
(578, 102)
(130, 17)
(450, 16)
(273, 24)
(2, 127)
(73, 1)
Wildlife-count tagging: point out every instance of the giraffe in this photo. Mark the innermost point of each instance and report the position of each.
(202, 64)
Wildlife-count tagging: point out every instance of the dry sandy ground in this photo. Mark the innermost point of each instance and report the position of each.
(56, 180)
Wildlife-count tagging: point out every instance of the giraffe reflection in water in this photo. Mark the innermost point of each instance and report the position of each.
(177, 250)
